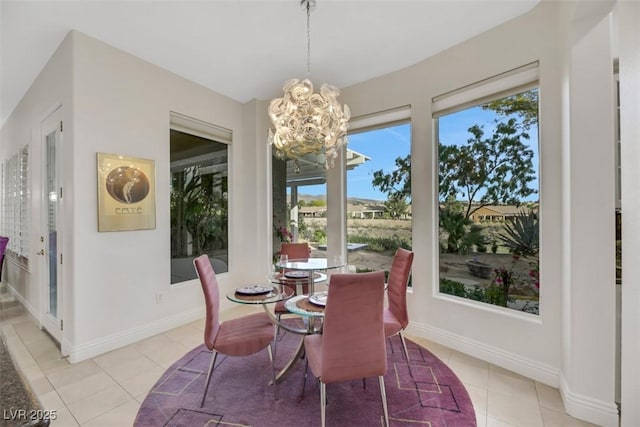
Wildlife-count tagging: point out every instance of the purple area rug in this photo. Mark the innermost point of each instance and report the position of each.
(239, 394)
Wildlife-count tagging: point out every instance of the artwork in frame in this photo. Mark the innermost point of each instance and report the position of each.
(126, 193)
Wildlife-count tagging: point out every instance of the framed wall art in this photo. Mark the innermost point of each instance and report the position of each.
(126, 193)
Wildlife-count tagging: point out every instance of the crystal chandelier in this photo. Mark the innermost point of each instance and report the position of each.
(307, 122)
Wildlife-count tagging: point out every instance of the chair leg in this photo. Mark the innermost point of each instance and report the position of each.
(275, 335)
(384, 401)
(214, 355)
(273, 373)
(406, 353)
(323, 402)
(390, 344)
(304, 378)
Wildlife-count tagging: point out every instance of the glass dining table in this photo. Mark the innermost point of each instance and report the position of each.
(266, 295)
(309, 306)
(309, 268)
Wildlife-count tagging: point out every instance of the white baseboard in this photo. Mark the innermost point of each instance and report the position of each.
(587, 408)
(579, 406)
(514, 362)
(115, 341)
(121, 339)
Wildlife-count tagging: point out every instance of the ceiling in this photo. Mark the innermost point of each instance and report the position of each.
(245, 49)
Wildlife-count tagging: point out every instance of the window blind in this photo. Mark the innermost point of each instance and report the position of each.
(505, 84)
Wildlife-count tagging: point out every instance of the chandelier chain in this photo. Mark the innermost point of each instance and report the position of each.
(308, 38)
(308, 124)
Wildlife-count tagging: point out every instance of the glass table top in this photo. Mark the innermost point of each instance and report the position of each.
(300, 305)
(311, 264)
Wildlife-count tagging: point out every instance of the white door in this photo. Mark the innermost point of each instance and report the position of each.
(51, 238)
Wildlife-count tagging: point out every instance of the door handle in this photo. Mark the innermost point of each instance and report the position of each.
(40, 252)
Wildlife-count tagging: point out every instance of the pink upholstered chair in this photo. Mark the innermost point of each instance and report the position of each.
(237, 337)
(299, 250)
(293, 251)
(396, 317)
(352, 344)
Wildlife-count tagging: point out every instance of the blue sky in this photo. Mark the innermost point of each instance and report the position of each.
(383, 146)
(454, 131)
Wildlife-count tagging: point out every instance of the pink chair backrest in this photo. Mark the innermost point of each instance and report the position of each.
(397, 285)
(295, 250)
(211, 297)
(353, 343)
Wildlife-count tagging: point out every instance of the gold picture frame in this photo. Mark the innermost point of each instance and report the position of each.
(126, 193)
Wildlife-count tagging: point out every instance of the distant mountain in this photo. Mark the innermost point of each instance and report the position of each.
(350, 200)
(359, 201)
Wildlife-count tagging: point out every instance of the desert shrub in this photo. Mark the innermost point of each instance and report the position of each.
(460, 234)
(521, 235)
(452, 287)
(320, 235)
(381, 244)
(493, 294)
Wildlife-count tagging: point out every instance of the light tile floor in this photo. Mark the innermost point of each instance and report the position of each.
(107, 390)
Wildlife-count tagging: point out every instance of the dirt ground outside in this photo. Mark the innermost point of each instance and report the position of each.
(452, 266)
(375, 228)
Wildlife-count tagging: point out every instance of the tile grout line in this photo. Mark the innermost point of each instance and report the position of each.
(20, 365)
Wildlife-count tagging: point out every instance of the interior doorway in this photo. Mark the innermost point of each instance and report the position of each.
(51, 226)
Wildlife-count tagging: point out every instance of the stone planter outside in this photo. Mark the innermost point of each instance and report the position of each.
(479, 269)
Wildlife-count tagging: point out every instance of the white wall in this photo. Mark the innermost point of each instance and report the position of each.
(530, 345)
(116, 103)
(526, 341)
(629, 39)
(590, 248)
(122, 105)
(51, 90)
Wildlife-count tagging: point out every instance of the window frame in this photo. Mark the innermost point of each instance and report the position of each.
(217, 134)
(16, 224)
(503, 85)
(377, 121)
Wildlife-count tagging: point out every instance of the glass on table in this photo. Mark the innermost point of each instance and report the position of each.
(284, 258)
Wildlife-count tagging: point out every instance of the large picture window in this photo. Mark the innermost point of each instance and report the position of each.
(488, 197)
(299, 202)
(199, 208)
(378, 194)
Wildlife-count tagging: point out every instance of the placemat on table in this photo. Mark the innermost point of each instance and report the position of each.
(281, 277)
(259, 297)
(304, 304)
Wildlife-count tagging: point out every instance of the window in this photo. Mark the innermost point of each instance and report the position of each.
(299, 204)
(378, 215)
(487, 138)
(378, 195)
(15, 198)
(199, 194)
